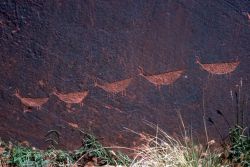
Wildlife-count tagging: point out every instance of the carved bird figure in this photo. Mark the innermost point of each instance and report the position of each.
(219, 68)
(72, 98)
(31, 102)
(166, 78)
(115, 87)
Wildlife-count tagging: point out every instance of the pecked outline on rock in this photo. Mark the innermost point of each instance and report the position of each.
(31, 102)
(115, 87)
(219, 68)
(166, 78)
(72, 98)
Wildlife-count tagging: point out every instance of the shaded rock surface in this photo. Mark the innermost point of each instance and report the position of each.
(68, 46)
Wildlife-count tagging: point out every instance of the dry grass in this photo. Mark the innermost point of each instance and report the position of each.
(162, 150)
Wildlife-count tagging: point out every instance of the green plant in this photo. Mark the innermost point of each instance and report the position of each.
(238, 151)
(59, 157)
(93, 148)
(25, 157)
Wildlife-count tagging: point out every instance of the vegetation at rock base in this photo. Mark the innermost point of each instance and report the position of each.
(160, 150)
(91, 151)
(163, 150)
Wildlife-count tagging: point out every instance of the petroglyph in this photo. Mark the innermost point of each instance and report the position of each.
(31, 102)
(158, 80)
(115, 87)
(72, 98)
(73, 125)
(219, 68)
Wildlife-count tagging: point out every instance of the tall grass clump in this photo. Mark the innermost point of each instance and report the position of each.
(162, 150)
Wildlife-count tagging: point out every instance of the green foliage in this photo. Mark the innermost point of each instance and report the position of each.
(93, 148)
(17, 155)
(59, 157)
(239, 147)
(25, 157)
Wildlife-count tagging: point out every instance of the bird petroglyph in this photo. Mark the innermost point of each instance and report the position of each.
(158, 80)
(219, 68)
(31, 102)
(115, 87)
(72, 98)
(73, 125)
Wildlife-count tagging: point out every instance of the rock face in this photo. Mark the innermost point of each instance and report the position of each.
(118, 63)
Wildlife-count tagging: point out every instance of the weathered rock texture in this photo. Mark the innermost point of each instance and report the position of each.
(104, 65)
